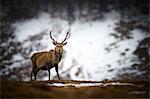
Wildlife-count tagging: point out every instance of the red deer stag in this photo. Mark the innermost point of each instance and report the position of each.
(48, 59)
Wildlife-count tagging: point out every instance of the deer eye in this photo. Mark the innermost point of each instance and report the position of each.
(65, 43)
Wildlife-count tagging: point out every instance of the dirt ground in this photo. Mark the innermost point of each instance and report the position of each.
(66, 89)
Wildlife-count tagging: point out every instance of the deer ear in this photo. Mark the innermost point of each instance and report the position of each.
(65, 43)
(54, 43)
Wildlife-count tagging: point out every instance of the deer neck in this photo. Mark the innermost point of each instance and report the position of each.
(58, 56)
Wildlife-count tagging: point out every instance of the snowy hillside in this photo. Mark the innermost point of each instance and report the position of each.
(86, 52)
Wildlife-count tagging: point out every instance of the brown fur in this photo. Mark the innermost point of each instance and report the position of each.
(48, 59)
(45, 60)
(41, 58)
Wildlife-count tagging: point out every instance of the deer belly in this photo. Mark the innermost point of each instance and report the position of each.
(47, 66)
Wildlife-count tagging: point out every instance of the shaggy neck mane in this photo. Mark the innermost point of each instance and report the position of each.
(58, 55)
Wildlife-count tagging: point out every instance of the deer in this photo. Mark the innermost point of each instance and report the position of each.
(46, 60)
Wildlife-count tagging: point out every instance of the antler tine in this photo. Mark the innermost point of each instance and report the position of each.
(66, 37)
(52, 37)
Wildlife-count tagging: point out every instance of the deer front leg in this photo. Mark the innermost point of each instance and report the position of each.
(49, 73)
(56, 68)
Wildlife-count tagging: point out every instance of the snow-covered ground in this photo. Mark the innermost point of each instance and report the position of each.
(86, 45)
(78, 85)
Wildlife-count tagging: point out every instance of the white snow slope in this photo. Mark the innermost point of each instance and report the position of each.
(86, 45)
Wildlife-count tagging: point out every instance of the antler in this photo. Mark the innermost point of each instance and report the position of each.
(66, 37)
(52, 37)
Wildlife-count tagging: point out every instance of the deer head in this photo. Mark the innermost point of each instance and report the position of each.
(59, 46)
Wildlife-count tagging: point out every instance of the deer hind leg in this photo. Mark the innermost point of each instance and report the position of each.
(32, 71)
(35, 72)
(56, 68)
(31, 74)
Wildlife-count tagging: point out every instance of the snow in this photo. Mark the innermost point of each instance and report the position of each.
(86, 45)
(17, 57)
(137, 92)
(78, 85)
(31, 27)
